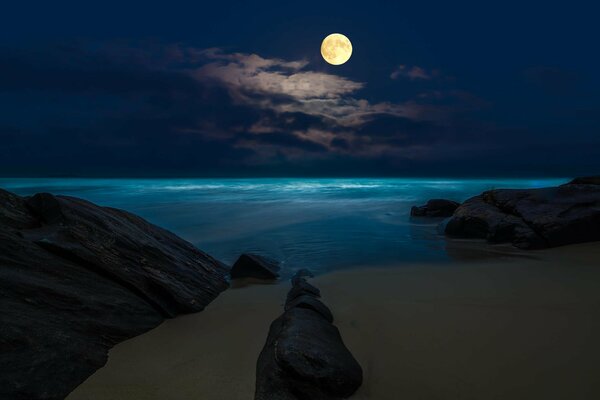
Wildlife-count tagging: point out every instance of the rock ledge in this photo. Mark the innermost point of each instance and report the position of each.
(531, 218)
(76, 279)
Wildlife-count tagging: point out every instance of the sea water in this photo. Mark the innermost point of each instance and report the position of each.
(321, 224)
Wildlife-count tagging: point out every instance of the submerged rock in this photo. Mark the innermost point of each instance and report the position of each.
(254, 266)
(76, 279)
(531, 218)
(304, 356)
(435, 208)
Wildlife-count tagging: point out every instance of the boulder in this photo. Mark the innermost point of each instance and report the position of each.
(76, 279)
(302, 288)
(304, 356)
(301, 275)
(586, 180)
(435, 208)
(254, 266)
(531, 218)
(311, 303)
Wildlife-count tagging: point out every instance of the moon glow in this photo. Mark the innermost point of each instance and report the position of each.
(336, 49)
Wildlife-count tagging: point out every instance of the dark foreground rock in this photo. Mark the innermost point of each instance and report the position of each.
(304, 356)
(76, 278)
(302, 288)
(301, 276)
(254, 266)
(435, 208)
(531, 218)
(310, 303)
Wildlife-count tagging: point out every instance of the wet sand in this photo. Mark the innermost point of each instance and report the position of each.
(520, 328)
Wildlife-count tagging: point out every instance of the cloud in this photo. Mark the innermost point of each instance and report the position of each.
(178, 109)
(323, 112)
(287, 87)
(412, 72)
(246, 74)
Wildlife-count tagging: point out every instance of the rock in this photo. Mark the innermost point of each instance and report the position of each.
(254, 266)
(531, 218)
(302, 288)
(76, 279)
(304, 295)
(304, 357)
(301, 274)
(311, 303)
(586, 180)
(435, 208)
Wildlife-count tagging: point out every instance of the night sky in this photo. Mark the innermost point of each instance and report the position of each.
(215, 88)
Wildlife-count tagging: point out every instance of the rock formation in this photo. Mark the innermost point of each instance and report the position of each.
(586, 180)
(532, 218)
(435, 208)
(76, 278)
(304, 356)
(254, 266)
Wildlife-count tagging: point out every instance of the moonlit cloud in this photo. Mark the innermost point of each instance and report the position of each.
(288, 87)
(411, 72)
(304, 114)
(247, 74)
(213, 110)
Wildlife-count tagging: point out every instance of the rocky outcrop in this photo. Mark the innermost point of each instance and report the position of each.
(304, 356)
(76, 278)
(254, 266)
(435, 208)
(586, 180)
(531, 218)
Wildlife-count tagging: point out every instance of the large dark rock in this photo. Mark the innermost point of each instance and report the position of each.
(254, 266)
(435, 208)
(304, 356)
(76, 278)
(531, 218)
(302, 288)
(586, 180)
(311, 303)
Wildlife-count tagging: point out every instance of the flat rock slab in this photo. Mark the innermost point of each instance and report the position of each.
(531, 218)
(250, 265)
(304, 356)
(76, 279)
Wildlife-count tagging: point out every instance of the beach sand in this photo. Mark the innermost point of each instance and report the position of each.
(517, 328)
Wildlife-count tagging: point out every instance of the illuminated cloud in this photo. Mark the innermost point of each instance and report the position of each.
(175, 103)
(412, 73)
(250, 74)
(287, 87)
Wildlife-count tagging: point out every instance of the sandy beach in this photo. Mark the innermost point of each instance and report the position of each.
(511, 328)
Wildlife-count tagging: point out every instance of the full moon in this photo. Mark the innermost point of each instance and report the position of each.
(336, 49)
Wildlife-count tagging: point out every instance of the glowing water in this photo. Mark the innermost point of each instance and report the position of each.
(315, 223)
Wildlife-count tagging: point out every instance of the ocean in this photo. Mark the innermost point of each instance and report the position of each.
(320, 224)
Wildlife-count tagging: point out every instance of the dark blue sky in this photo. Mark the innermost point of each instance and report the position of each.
(239, 89)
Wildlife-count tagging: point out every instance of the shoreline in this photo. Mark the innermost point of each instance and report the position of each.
(519, 328)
